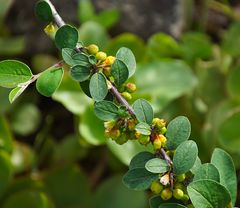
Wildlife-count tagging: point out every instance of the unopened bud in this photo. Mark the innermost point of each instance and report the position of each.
(109, 60)
(156, 187)
(93, 49)
(144, 139)
(157, 144)
(130, 87)
(126, 95)
(178, 193)
(101, 56)
(166, 194)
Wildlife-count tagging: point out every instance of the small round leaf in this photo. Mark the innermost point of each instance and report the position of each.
(98, 87)
(43, 11)
(119, 72)
(66, 37)
(80, 73)
(49, 81)
(106, 110)
(143, 111)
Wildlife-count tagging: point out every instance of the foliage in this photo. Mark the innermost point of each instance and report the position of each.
(160, 155)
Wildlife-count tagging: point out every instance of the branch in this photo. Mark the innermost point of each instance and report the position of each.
(57, 18)
(59, 21)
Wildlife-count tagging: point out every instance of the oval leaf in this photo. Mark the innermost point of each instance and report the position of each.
(143, 111)
(208, 194)
(139, 160)
(119, 72)
(185, 157)
(207, 171)
(157, 165)
(49, 81)
(13, 72)
(178, 131)
(43, 11)
(15, 93)
(226, 169)
(106, 110)
(98, 87)
(80, 73)
(66, 37)
(67, 54)
(127, 57)
(143, 128)
(139, 179)
(80, 59)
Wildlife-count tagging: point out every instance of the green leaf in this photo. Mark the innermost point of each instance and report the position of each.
(157, 165)
(139, 160)
(196, 165)
(15, 93)
(107, 18)
(231, 40)
(228, 134)
(164, 81)
(85, 88)
(143, 128)
(143, 111)
(70, 96)
(93, 33)
(139, 179)
(171, 205)
(98, 87)
(6, 139)
(208, 194)
(207, 171)
(128, 150)
(13, 72)
(6, 170)
(195, 45)
(91, 128)
(85, 10)
(178, 131)
(185, 157)
(232, 82)
(81, 59)
(106, 110)
(161, 45)
(43, 11)
(130, 41)
(23, 126)
(80, 73)
(127, 57)
(225, 166)
(28, 198)
(92, 59)
(66, 37)
(67, 54)
(120, 72)
(118, 197)
(49, 81)
(68, 187)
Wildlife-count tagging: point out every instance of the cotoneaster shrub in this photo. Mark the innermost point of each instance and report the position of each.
(173, 172)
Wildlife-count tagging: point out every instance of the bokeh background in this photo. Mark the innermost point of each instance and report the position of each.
(53, 152)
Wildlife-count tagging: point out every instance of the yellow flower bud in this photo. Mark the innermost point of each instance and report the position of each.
(156, 187)
(157, 144)
(130, 87)
(109, 60)
(178, 193)
(101, 56)
(166, 194)
(50, 30)
(93, 49)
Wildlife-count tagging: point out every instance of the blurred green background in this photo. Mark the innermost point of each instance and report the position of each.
(53, 152)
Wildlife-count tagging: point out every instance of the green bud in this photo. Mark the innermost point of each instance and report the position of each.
(156, 187)
(126, 95)
(101, 56)
(93, 49)
(181, 178)
(157, 144)
(185, 198)
(166, 194)
(130, 87)
(144, 139)
(178, 193)
(163, 130)
(122, 139)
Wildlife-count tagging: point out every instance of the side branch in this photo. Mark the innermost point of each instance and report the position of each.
(57, 18)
